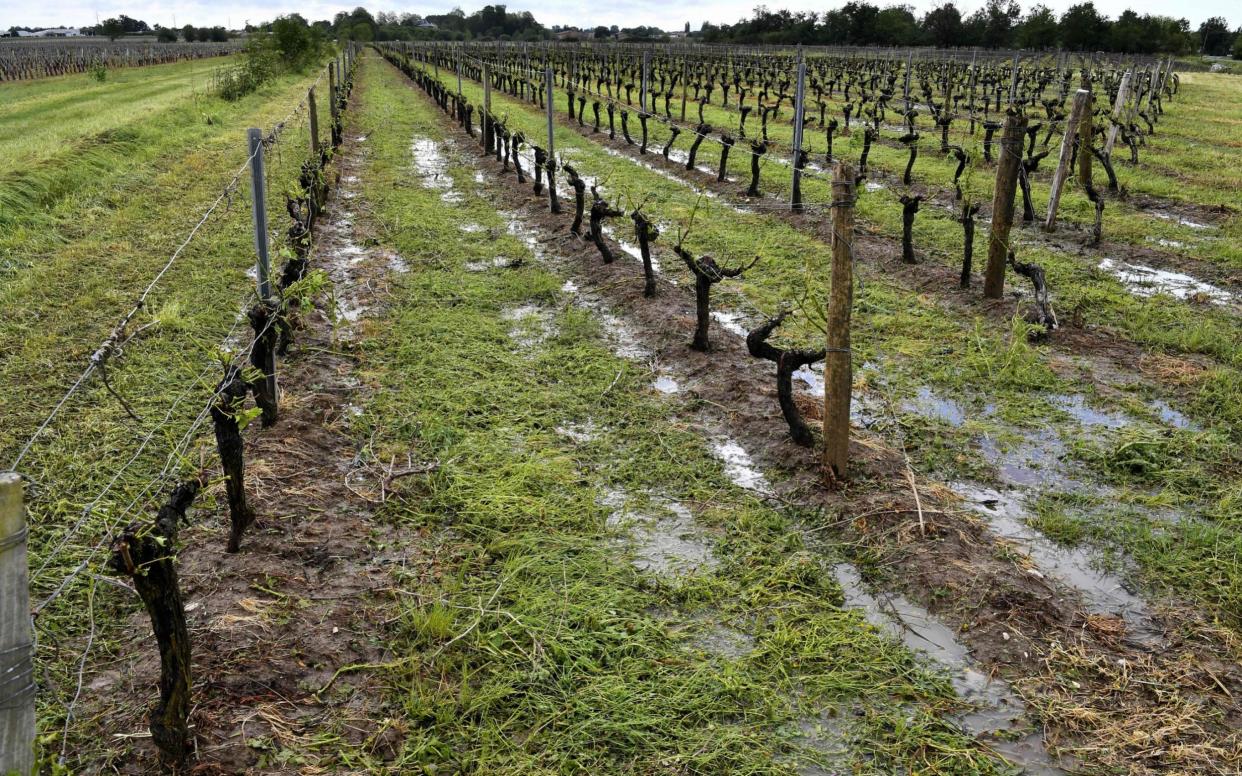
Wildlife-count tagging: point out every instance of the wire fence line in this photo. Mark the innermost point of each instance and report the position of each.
(106, 347)
(166, 431)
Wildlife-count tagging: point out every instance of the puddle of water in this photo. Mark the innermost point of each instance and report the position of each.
(921, 632)
(1102, 592)
(738, 465)
(397, 264)
(826, 734)
(929, 404)
(630, 249)
(1180, 220)
(708, 634)
(811, 378)
(731, 322)
(624, 341)
(524, 233)
(997, 708)
(666, 384)
(1034, 461)
(432, 167)
(1076, 405)
(578, 432)
(1166, 243)
(349, 309)
(533, 324)
(669, 543)
(496, 262)
(1172, 416)
(874, 186)
(1148, 281)
(570, 287)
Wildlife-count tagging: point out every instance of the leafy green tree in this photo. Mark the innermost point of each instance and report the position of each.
(1038, 30)
(1083, 28)
(112, 28)
(1000, 18)
(943, 26)
(1215, 39)
(1237, 44)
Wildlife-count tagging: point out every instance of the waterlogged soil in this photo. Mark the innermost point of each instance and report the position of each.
(992, 600)
(269, 625)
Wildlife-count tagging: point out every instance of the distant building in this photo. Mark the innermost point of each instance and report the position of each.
(678, 34)
(573, 33)
(426, 25)
(56, 32)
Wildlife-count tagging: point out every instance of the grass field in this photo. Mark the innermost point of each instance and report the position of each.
(538, 534)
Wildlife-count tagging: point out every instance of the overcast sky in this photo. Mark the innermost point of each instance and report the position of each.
(624, 13)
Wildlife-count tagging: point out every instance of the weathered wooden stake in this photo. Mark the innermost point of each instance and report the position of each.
(1119, 111)
(17, 689)
(838, 371)
(1082, 102)
(1007, 166)
(313, 112)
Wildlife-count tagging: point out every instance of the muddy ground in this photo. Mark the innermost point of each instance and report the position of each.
(305, 595)
(1018, 622)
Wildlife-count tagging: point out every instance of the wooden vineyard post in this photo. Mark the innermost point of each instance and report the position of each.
(1119, 110)
(1085, 132)
(332, 91)
(642, 96)
(1013, 83)
(268, 393)
(487, 109)
(1082, 100)
(838, 370)
(313, 114)
(1002, 202)
(17, 689)
(685, 85)
(553, 205)
(147, 558)
(795, 200)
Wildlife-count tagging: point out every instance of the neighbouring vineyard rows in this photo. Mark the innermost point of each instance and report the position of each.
(38, 60)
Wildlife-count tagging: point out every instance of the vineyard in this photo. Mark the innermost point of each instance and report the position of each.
(30, 59)
(535, 408)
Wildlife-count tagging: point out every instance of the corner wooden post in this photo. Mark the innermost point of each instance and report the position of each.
(146, 557)
(838, 370)
(1002, 202)
(17, 689)
(1082, 101)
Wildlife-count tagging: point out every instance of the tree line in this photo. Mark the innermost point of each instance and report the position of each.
(999, 24)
